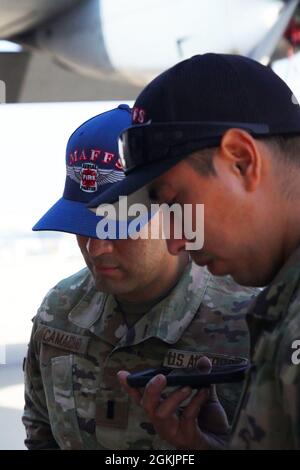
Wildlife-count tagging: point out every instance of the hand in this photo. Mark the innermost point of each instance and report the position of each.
(201, 425)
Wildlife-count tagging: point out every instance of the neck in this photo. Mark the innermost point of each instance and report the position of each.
(160, 286)
(291, 236)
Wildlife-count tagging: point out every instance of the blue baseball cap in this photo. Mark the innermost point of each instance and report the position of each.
(190, 106)
(92, 166)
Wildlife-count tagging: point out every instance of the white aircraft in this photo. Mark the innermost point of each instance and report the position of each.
(137, 39)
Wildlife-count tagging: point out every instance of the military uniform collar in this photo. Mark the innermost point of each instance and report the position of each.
(167, 320)
(88, 310)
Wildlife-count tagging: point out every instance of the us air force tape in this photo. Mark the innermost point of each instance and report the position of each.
(176, 358)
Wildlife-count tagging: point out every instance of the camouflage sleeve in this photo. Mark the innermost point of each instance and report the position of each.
(269, 413)
(288, 372)
(35, 417)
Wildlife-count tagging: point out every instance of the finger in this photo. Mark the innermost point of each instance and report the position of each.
(212, 415)
(204, 363)
(169, 406)
(193, 409)
(152, 393)
(213, 397)
(134, 393)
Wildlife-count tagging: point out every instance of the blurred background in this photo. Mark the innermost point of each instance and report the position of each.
(61, 62)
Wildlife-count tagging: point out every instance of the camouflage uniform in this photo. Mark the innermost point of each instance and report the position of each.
(269, 414)
(80, 341)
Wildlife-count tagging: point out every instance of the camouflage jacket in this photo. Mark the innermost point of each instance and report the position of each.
(80, 341)
(269, 412)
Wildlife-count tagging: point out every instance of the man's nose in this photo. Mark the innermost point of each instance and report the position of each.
(96, 247)
(176, 246)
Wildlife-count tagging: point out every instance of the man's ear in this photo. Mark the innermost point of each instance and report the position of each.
(239, 151)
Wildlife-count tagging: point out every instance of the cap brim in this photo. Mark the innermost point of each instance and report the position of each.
(74, 217)
(134, 181)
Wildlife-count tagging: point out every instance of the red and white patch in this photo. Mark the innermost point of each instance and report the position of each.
(90, 177)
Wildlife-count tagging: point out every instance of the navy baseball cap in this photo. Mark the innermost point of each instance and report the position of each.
(92, 166)
(190, 106)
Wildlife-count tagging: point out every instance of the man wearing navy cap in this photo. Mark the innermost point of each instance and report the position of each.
(224, 131)
(136, 306)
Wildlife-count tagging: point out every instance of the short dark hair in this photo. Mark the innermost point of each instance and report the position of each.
(286, 148)
(202, 161)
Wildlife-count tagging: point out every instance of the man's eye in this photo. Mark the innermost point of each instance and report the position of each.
(156, 198)
(152, 197)
(170, 203)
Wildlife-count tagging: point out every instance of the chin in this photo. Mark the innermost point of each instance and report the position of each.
(244, 278)
(108, 287)
(217, 269)
(252, 280)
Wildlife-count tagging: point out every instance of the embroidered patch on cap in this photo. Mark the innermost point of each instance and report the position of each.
(90, 177)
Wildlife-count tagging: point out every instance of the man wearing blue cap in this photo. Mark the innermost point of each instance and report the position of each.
(224, 131)
(136, 306)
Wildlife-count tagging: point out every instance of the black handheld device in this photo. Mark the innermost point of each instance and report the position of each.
(192, 377)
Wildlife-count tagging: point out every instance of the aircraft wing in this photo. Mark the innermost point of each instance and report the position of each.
(109, 49)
